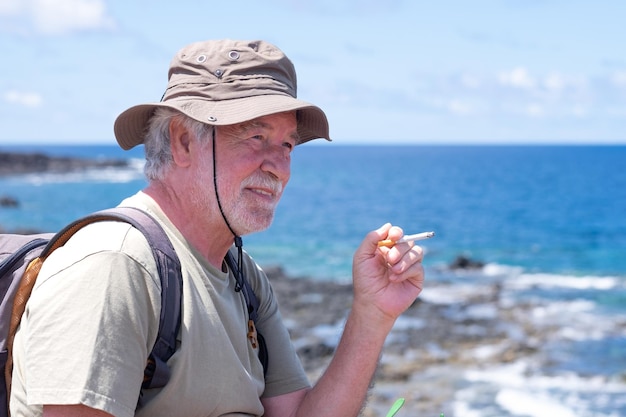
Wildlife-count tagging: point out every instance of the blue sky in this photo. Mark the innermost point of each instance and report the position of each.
(419, 72)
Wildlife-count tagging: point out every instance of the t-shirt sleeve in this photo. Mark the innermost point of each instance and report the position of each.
(92, 319)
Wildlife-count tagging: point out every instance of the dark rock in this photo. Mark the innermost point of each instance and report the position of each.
(8, 201)
(315, 351)
(463, 262)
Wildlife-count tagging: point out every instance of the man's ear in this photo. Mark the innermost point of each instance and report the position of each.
(180, 142)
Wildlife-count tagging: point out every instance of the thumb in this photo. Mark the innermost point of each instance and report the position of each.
(369, 245)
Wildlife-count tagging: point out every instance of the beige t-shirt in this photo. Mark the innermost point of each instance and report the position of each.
(93, 318)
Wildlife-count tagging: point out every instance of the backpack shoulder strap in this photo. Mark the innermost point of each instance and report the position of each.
(252, 303)
(156, 373)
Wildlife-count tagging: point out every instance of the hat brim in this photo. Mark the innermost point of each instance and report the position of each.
(131, 125)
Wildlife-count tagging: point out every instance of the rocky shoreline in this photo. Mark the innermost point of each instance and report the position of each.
(409, 367)
(433, 345)
(14, 163)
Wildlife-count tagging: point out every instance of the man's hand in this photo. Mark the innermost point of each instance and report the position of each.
(386, 280)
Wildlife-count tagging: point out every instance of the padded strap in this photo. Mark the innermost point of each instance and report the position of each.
(252, 303)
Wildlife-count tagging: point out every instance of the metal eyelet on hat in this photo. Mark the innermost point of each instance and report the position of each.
(212, 119)
(201, 59)
(233, 55)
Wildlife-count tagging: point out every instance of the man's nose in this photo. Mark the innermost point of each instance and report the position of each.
(277, 161)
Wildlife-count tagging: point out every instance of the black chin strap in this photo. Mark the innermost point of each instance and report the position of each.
(238, 240)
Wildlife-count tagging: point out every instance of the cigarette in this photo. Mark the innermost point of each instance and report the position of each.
(406, 238)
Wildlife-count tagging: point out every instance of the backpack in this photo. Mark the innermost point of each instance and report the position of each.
(21, 257)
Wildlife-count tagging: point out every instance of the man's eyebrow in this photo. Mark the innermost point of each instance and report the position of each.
(245, 126)
(255, 123)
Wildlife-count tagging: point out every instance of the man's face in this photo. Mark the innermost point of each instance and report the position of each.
(253, 166)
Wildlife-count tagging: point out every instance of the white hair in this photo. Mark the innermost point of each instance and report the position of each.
(157, 141)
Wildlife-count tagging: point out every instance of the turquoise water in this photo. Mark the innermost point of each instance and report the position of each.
(547, 209)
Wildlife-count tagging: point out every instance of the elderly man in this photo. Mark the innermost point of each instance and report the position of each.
(218, 151)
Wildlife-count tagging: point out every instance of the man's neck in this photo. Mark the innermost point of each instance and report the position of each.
(206, 231)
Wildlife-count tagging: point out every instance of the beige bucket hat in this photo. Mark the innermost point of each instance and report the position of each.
(223, 82)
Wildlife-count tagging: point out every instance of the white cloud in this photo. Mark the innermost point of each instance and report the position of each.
(522, 94)
(470, 81)
(619, 79)
(518, 77)
(55, 17)
(557, 83)
(554, 82)
(459, 107)
(579, 111)
(22, 98)
(10, 7)
(535, 110)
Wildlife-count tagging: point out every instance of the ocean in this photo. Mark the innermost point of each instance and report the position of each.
(548, 222)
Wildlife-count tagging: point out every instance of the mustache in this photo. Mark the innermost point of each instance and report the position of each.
(263, 181)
